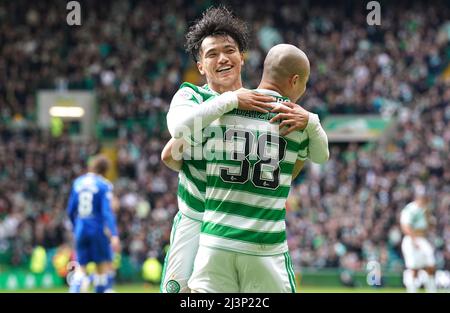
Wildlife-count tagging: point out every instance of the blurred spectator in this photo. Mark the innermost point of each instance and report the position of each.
(131, 53)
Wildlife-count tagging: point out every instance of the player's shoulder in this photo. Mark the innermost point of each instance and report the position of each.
(189, 91)
(411, 206)
(80, 179)
(85, 181)
(198, 89)
(278, 97)
(104, 182)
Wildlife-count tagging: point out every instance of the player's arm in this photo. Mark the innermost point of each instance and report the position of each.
(110, 220)
(297, 168)
(185, 112)
(431, 220)
(407, 230)
(171, 155)
(294, 117)
(72, 206)
(405, 226)
(318, 140)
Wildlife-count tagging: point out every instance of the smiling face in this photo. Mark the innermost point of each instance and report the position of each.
(221, 61)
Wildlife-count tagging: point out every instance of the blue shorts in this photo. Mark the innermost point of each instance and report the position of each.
(93, 248)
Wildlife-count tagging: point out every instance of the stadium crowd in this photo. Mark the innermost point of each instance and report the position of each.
(130, 53)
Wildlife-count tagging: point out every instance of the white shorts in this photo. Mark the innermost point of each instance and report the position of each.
(179, 260)
(220, 271)
(417, 257)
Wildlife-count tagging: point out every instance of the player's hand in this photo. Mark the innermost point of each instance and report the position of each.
(292, 116)
(253, 101)
(115, 244)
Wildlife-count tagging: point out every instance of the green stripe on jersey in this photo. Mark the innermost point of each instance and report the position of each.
(290, 271)
(191, 201)
(261, 238)
(204, 92)
(242, 209)
(199, 183)
(250, 188)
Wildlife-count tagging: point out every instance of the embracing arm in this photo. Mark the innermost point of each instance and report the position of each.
(186, 116)
(294, 117)
(172, 157)
(318, 140)
(185, 112)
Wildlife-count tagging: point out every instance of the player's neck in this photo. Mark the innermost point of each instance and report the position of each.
(270, 86)
(220, 89)
(421, 203)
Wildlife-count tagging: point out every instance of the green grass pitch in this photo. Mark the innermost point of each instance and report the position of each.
(142, 288)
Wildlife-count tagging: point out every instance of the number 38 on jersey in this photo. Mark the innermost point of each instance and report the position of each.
(255, 158)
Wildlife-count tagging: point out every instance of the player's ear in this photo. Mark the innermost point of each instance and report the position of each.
(242, 58)
(200, 68)
(295, 80)
(292, 81)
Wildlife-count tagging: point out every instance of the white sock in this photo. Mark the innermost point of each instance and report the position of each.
(409, 281)
(100, 282)
(79, 282)
(430, 283)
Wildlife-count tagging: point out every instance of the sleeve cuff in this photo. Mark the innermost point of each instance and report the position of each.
(231, 99)
(313, 120)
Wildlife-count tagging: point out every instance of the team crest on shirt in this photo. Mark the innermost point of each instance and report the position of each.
(172, 286)
(185, 94)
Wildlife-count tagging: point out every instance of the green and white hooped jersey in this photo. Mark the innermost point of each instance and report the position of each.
(249, 173)
(192, 176)
(414, 216)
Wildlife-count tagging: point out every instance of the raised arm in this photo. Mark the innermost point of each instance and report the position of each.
(318, 140)
(186, 116)
(295, 117)
(171, 156)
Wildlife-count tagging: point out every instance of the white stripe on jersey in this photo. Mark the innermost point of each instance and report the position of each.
(242, 246)
(237, 196)
(244, 223)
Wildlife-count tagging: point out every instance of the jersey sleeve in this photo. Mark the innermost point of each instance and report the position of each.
(107, 212)
(318, 140)
(405, 216)
(72, 206)
(303, 151)
(187, 117)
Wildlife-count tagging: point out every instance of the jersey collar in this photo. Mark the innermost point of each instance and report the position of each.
(206, 87)
(268, 91)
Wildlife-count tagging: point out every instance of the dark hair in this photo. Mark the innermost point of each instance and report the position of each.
(99, 164)
(216, 21)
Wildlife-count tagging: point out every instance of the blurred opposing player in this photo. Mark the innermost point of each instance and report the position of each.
(94, 226)
(417, 251)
